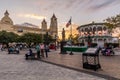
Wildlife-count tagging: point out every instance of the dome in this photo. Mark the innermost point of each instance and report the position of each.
(6, 19)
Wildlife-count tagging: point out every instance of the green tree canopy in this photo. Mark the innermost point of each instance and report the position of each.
(31, 38)
(47, 38)
(113, 22)
(6, 37)
(74, 38)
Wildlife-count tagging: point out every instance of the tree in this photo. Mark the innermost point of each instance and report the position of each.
(31, 38)
(113, 22)
(6, 37)
(48, 38)
(75, 38)
(70, 37)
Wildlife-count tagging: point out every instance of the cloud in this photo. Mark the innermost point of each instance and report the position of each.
(33, 16)
(102, 5)
(70, 3)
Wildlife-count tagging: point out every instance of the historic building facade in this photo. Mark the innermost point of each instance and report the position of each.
(7, 24)
(97, 32)
(53, 26)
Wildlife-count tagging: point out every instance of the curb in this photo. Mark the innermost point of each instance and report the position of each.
(84, 71)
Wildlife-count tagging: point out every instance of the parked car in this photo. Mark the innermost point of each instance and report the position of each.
(52, 46)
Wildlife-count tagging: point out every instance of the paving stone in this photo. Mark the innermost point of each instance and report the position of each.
(15, 67)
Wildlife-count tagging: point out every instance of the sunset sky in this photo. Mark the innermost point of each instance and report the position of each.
(82, 11)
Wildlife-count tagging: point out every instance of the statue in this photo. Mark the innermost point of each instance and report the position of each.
(63, 43)
(63, 35)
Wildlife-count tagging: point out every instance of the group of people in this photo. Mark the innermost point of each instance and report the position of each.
(107, 50)
(40, 49)
(13, 49)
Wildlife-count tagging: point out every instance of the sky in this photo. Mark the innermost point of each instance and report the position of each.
(81, 11)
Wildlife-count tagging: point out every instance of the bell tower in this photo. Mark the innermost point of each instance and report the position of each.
(44, 25)
(54, 26)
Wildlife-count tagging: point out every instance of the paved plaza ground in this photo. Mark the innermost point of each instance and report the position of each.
(110, 65)
(15, 67)
(69, 67)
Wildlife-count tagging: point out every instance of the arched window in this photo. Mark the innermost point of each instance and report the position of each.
(104, 28)
(94, 30)
(99, 28)
(86, 29)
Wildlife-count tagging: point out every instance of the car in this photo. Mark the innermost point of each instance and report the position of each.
(52, 46)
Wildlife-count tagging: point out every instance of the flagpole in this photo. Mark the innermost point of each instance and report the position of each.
(71, 53)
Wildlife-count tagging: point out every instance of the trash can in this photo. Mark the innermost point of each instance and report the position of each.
(90, 59)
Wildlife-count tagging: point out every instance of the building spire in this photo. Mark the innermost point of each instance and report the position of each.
(6, 13)
(53, 16)
(44, 20)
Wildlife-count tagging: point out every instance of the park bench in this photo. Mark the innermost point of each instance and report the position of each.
(32, 56)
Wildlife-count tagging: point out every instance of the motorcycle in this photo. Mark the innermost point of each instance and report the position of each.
(107, 51)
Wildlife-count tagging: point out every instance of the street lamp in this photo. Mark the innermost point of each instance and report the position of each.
(71, 53)
(46, 44)
(46, 38)
(55, 41)
(89, 40)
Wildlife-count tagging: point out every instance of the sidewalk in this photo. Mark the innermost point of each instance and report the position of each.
(110, 65)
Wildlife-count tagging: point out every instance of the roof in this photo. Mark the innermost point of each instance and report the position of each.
(90, 24)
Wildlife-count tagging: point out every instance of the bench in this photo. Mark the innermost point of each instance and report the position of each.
(13, 51)
(32, 56)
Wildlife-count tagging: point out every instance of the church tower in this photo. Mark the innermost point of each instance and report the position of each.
(44, 25)
(54, 26)
(6, 19)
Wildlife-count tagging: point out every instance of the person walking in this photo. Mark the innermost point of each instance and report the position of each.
(38, 51)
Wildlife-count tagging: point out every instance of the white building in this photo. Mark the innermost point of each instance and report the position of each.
(98, 32)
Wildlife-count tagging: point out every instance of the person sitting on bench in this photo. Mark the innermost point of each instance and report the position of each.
(30, 53)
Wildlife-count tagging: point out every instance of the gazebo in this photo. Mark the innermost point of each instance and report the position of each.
(98, 32)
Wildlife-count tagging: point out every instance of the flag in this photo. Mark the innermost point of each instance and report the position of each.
(68, 23)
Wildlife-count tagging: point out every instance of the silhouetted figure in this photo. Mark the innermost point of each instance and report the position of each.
(63, 35)
(46, 50)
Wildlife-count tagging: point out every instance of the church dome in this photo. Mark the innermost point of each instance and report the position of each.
(6, 19)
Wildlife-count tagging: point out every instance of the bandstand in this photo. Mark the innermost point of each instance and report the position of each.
(98, 32)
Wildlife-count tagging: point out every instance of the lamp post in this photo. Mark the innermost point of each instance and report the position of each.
(89, 40)
(46, 38)
(46, 44)
(55, 41)
(71, 53)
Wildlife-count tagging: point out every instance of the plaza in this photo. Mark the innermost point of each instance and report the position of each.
(60, 40)
(55, 67)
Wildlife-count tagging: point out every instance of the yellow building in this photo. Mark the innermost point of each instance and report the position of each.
(7, 24)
